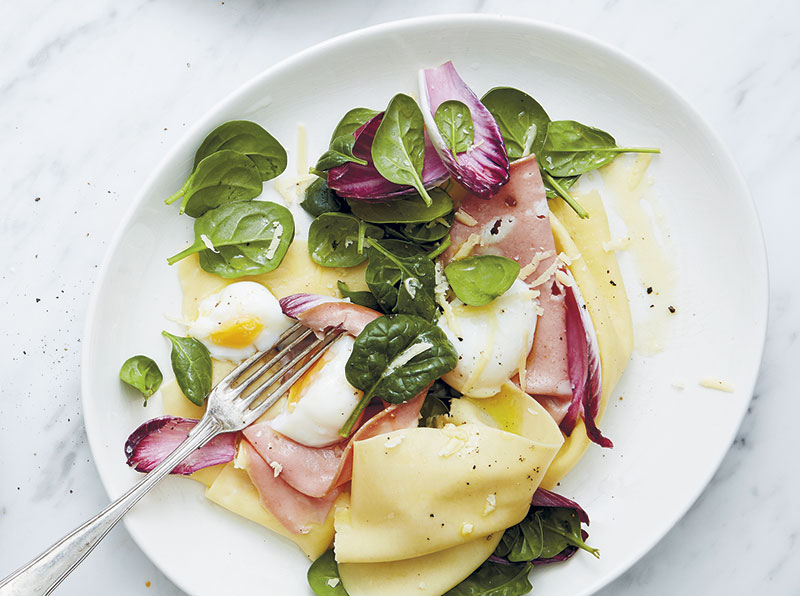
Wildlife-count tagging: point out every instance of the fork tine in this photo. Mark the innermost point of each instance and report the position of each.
(237, 372)
(321, 345)
(264, 368)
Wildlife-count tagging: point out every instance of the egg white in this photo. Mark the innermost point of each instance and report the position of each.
(235, 302)
(492, 341)
(325, 401)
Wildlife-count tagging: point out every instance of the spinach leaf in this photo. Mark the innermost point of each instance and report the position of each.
(479, 280)
(395, 357)
(437, 402)
(522, 121)
(320, 199)
(241, 238)
(429, 231)
(362, 298)
(249, 138)
(495, 579)
(142, 373)
(454, 121)
(561, 528)
(572, 148)
(398, 149)
(223, 177)
(340, 149)
(191, 364)
(401, 284)
(337, 240)
(406, 210)
(324, 572)
(553, 185)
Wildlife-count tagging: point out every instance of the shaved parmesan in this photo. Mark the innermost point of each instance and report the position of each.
(715, 383)
(465, 249)
(465, 218)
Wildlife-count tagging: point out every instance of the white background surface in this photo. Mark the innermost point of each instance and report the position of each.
(94, 93)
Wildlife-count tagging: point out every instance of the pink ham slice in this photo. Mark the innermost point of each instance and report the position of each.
(292, 508)
(515, 223)
(315, 471)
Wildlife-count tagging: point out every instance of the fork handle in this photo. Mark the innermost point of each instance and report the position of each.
(43, 574)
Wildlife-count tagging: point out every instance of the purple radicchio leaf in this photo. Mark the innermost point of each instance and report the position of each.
(545, 498)
(364, 182)
(296, 304)
(483, 168)
(583, 361)
(155, 439)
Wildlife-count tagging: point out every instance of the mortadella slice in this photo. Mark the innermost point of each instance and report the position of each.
(292, 508)
(316, 471)
(515, 223)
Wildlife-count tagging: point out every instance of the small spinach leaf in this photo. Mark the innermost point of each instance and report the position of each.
(561, 528)
(323, 576)
(191, 364)
(249, 138)
(320, 199)
(429, 231)
(340, 149)
(479, 280)
(495, 579)
(437, 402)
(454, 121)
(522, 121)
(395, 357)
(406, 210)
(222, 177)
(241, 238)
(337, 240)
(398, 149)
(572, 148)
(362, 298)
(401, 284)
(143, 374)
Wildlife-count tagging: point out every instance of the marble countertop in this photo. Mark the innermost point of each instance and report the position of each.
(93, 94)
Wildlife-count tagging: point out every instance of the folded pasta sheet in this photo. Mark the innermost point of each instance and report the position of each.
(424, 490)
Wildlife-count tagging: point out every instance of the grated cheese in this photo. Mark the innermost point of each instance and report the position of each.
(393, 441)
(276, 468)
(333, 582)
(530, 268)
(276, 240)
(465, 249)
(209, 245)
(491, 504)
(617, 244)
(564, 278)
(717, 384)
(465, 218)
(466, 529)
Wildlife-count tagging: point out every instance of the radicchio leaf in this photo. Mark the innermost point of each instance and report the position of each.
(545, 498)
(363, 182)
(296, 304)
(155, 439)
(583, 359)
(483, 168)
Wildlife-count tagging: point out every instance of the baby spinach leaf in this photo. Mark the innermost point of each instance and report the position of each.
(561, 528)
(191, 364)
(398, 149)
(249, 138)
(340, 149)
(337, 240)
(572, 148)
(241, 238)
(394, 358)
(429, 231)
(406, 210)
(223, 177)
(362, 298)
(479, 280)
(401, 283)
(437, 402)
(522, 121)
(495, 579)
(142, 373)
(320, 199)
(454, 121)
(323, 576)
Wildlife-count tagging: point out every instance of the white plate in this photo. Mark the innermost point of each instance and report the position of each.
(668, 442)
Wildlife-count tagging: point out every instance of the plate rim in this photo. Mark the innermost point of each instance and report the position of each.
(207, 117)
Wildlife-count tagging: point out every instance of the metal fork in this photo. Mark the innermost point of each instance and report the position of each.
(232, 405)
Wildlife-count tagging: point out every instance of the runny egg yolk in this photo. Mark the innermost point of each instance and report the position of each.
(296, 390)
(238, 334)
